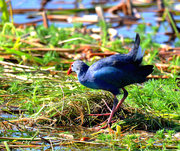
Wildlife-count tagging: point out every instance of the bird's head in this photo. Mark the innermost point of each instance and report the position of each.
(77, 66)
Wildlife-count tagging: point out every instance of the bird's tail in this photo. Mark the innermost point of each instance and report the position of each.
(142, 72)
(136, 52)
(145, 70)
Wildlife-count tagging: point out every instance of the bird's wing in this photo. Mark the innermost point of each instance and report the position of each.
(113, 76)
(117, 61)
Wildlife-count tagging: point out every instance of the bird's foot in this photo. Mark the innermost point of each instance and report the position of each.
(105, 128)
(103, 114)
(102, 125)
(99, 127)
(105, 124)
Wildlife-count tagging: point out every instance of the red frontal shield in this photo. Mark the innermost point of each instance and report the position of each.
(69, 70)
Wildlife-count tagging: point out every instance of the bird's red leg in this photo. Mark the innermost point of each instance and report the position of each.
(104, 114)
(113, 109)
(122, 100)
(116, 106)
(112, 113)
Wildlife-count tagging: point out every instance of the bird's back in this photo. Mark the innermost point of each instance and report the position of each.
(119, 70)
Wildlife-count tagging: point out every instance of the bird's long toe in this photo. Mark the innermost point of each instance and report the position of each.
(107, 105)
(103, 114)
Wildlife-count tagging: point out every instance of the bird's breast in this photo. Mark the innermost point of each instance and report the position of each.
(88, 82)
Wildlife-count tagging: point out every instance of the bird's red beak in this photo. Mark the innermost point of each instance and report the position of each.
(69, 70)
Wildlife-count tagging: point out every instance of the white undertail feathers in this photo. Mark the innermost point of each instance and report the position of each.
(139, 54)
(136, 52)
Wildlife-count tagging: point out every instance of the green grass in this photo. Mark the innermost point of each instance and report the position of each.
(157, 95)
(155, 98)
(5, 13)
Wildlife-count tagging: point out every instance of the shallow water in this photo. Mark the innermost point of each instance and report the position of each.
(148, 17)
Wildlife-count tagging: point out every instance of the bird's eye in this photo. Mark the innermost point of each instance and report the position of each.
(72, 65)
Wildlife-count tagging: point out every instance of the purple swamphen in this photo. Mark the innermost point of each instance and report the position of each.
(113, 73)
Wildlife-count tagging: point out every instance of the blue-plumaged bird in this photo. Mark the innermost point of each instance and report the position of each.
(114, 73)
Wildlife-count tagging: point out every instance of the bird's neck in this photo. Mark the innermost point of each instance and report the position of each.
(83, 71)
